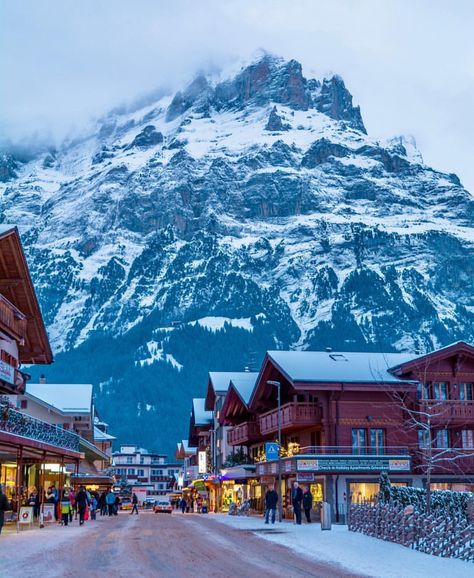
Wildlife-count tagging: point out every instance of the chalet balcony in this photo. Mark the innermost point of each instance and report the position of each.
(12, 319)
(243, 433)
(294, 416)
(449, 412)
(20, 424)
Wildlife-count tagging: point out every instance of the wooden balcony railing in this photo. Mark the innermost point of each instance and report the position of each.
(449, 411)
(293, 416)
(12, 319)
(243, 433)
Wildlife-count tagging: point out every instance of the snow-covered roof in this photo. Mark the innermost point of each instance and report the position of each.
(101, 436)
(187, 448)
(221, 379)
(244, 384)
(201, 416)
(68, 398)
(5, 228)
(333, 366)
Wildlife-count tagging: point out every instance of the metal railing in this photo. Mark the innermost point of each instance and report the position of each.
(354, 451)
(23, 425)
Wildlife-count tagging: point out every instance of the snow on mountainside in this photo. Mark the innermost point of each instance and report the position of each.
(199, 230)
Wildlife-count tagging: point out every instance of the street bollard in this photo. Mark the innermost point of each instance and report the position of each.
(325, 516)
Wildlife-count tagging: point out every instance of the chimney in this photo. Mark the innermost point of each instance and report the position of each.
(328, 349)
(42, 378)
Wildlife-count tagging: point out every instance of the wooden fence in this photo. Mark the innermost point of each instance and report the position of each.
(438, 534)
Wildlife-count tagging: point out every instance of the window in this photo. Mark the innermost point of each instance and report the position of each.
(141, 473)
(131, 472)
(442, 438)
(129, 460)
(467, 436)
(423, 391)
(156, 472)
(359, 442)
(23, 403)
(142, 460)
(440, 390)
(377, 441)
(423, 438)
(465, 391)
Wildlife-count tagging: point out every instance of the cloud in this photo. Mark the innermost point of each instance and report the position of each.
(408, 63)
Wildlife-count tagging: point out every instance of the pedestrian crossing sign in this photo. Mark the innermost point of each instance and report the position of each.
(271, 451)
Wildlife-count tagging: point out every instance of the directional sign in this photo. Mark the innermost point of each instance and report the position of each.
(271, 451)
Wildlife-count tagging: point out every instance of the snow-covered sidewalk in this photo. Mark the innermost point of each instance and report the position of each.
(355, 552)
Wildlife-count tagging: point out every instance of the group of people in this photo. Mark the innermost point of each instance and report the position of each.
(299, 498)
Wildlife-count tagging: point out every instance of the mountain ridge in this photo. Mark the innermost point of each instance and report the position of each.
(259, 202)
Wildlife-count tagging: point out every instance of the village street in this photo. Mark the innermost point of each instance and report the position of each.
(219, 546)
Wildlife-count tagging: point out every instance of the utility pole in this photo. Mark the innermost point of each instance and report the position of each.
(277, 384)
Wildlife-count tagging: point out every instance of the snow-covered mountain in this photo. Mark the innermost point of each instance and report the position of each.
(198, 230)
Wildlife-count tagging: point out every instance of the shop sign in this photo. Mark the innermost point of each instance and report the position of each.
(271, 451)
(48, 513)
(7, 372)
(26, 515)
(273, 468)
(260, 469)
(202, 462)
(353, 464)
(267, 480)
(288, 466)
(305, 477)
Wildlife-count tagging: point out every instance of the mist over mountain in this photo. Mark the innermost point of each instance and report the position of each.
(194, 231)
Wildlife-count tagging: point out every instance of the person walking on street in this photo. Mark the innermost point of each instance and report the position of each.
(72, 499)
(307, 503)
(117, 503)
(271, 502)
(82, 501)
(66, 508)
(102, 504)
(110, 500)
(296, 499)
(134, 504)
(4, 506)
(182, 505)
(93, 507)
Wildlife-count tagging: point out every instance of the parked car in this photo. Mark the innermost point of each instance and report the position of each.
(149, 503)
(162, 507)
(126, 504)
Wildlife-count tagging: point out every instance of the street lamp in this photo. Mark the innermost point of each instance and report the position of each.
(277, 384)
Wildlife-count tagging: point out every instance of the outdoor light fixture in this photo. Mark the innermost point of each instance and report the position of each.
(277, 384)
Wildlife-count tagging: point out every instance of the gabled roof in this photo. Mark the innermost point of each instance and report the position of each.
(200, 415)
(428, 359)
(244, 385)
(334, 367)
(218, 384)
(101, 436)
(16, 286)
(67, 398)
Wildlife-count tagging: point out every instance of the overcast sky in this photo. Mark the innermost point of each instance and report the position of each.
(408, 63)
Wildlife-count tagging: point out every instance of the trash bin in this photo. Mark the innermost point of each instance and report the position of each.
(325, 516)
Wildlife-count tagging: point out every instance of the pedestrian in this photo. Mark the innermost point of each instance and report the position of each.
(110, 500)
(271, 501)
(93, 507)
(117, 503)
(134, 504)
(307, 503)
(66, 508)
(33, 501)
(183, 505)
(296, 499)
(102, 504)
(72, 499)
(4, 506)
(82, 502)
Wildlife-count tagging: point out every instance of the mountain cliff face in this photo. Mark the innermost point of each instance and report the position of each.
(195, 232)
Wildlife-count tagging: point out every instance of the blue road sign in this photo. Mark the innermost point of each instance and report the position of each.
(271, 451)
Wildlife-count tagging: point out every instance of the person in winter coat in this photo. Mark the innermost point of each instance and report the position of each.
(307, 503)
(271, 502)
(72, 499)
(102, 504)
(33, 501)
(182, 505)
(66, 508)
(296, 499)
(117, 503)
(134, 504)
(110, 499)
(4, 506)
(82, 502)
(93, 507)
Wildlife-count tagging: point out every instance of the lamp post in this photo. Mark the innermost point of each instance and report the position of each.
(277, 384)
